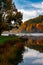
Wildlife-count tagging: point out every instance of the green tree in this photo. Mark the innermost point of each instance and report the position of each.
(9, 12)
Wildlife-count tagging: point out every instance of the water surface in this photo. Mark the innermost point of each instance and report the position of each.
(32, 57)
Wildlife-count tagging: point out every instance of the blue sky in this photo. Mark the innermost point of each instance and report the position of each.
(29, 8)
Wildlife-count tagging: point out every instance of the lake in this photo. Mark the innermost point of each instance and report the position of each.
(21, 50)
(33, 54)
(32, 57)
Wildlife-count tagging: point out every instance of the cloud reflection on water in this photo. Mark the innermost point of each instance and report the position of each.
(32, 57)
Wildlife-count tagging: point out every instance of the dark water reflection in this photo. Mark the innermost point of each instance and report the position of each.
(11, 52)
(17, 56)
(17, 59)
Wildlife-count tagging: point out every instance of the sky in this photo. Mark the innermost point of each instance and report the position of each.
(29, 8)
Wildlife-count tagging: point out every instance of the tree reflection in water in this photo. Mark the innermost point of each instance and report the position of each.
(35, 43)
(12, 54)
(36, 47)
(17, 58)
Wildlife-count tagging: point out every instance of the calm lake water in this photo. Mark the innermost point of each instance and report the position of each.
(22, 51)
(32, 57)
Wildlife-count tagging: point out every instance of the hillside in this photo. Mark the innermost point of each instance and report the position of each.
(32, 25)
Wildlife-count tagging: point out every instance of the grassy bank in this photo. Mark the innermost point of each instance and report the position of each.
(3, 39)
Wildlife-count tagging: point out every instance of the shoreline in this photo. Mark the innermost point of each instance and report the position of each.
(23, 34)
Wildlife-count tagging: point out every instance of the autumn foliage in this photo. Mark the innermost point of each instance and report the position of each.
(33, 25)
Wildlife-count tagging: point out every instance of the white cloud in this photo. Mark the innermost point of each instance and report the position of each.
(38, 5)
(27, 14)
(32, 13)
